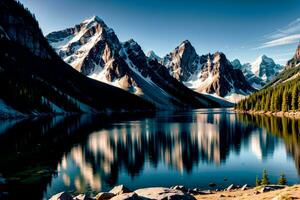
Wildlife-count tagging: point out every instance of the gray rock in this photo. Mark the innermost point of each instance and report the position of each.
(179, 187)
(230, 187)
(245, 187)
(82, 197)
(120, 189)
(127, 196)
(268, 188)
(62, 196)
(163, 193)
(104, 196)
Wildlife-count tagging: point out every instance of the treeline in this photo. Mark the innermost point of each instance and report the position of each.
(283, 97)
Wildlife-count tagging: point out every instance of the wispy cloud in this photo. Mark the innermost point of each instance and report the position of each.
(287, 35)
(281, 41)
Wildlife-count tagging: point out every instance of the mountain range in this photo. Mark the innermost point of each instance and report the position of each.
(93, 49)
(260, 72)
(87, 69)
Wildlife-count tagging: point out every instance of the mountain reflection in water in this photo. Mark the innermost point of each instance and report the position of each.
(192, 148)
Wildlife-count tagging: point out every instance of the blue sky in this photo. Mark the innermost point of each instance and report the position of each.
(243, 29)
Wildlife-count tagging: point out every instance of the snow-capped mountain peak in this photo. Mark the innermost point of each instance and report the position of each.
(259, 72)
(152, 56)
(265, 68)
(182, 61)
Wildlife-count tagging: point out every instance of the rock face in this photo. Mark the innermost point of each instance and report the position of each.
(152, 56)
(211, 73)
(182, 62)
(260, 72)
(93, 49)
(294, 62)
(217, 76)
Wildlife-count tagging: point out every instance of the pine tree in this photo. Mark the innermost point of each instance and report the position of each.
(257, 181)
(285, 101)
(265, 178)
(295, 98)
(282, 179)
(267, 103)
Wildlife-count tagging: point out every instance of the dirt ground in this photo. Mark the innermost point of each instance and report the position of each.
(288, 193)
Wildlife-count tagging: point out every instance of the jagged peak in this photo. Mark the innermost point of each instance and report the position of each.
(185, 43)
(153, 56)
(94, 18)
(236, 63)
(131, 41)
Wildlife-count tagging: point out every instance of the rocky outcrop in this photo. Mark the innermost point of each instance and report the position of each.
(217, 76)
(294, 62)
(152, 56)
(182, 62)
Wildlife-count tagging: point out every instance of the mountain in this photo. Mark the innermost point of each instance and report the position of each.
(93, 49)
(182, 62)
(291, 70)
(260, 72)
(295, 61)
(34, 80)
(211, 73)
(152, 56)
(282, 94)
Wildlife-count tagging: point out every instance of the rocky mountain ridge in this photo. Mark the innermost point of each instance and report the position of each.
(94, 50)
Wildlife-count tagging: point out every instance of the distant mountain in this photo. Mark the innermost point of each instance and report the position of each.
(152, 56)
(211, 73)
(34, 80)
(282, 94)
(260, 72)
(291, 70)
(93, 49)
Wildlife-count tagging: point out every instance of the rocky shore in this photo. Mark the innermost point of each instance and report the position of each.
(290, 114)
(274, 192)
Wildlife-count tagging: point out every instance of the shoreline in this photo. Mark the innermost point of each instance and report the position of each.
(290, 114)
(274, 192)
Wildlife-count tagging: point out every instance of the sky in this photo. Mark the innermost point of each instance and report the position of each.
(243, 29)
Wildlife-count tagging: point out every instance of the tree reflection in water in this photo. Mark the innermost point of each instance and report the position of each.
(93, 153)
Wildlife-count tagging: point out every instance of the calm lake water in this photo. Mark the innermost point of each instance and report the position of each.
(193, 148)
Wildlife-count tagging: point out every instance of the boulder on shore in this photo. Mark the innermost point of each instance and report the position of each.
(62, 196)
(127, 196)
(120, 189)
(104, 196)
(163, 193)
